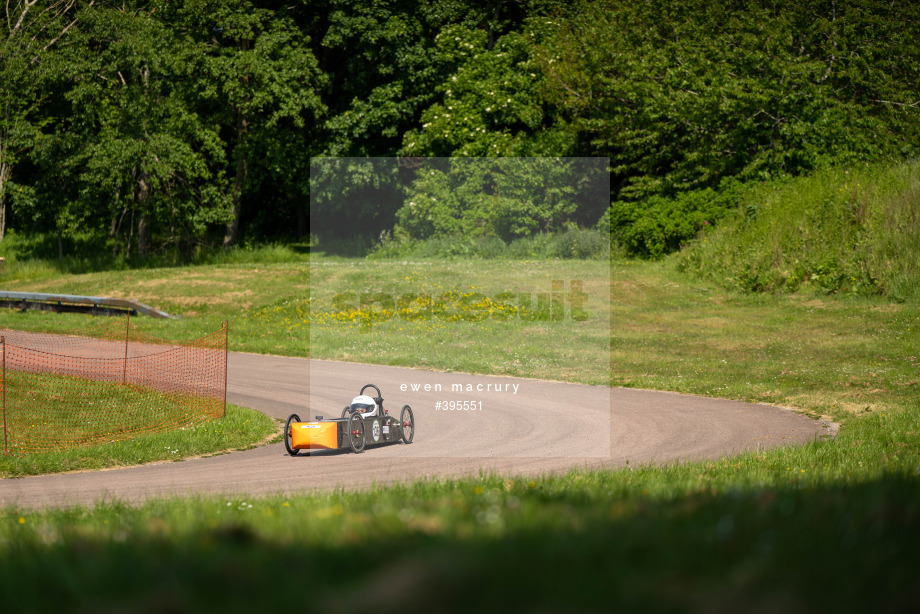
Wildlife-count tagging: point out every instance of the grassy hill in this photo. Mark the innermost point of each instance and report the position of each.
(852, 230)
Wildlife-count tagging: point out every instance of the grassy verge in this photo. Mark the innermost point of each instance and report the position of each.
(835, 356)
(830, 356)
(758, 532)
(241, 429)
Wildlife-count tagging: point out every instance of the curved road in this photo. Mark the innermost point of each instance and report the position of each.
(524, 427)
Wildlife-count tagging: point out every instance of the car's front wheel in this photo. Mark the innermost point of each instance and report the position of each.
(289, 434)
(407, 422)
(356, 433)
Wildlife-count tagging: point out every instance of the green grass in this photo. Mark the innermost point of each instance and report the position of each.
(240, 429)
(830, 526)
(771, 531)
(45, 411)
(831, 356)
(824, 355)
(265, 303)
(564, 349)
(835, 356)
(847, 231)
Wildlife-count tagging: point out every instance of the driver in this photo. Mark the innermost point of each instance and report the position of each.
(364, 405)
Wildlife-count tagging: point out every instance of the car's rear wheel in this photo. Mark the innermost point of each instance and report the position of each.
(356, 433)
(345, 412)
(407, 421)
(289, 435)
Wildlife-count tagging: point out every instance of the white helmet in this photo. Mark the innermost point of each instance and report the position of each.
(364, 404)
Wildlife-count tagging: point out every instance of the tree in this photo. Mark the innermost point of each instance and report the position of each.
(388, 59)
(355, 198)
(684, 94)
(169, 115)
(32, 28)
(261, 81)
(502, 196)
(490, 106)
(137, 159)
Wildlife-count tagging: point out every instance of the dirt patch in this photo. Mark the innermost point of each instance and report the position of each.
(224, 298)
(849, 403)
(154, 283)
(811, 303)
(891, 308)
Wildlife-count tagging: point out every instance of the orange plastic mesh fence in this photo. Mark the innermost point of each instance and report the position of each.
(105, 383)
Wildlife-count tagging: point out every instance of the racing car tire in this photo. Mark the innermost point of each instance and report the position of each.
(407, 412)
(356, 433)
(287, 434)
(345, 412)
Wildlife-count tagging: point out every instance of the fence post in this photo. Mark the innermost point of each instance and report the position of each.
(124, 373)
(6, 443)
(226, 356)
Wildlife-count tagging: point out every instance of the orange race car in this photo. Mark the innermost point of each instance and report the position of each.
(364, 422)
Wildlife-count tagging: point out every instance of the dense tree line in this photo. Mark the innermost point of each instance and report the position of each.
(168, 124)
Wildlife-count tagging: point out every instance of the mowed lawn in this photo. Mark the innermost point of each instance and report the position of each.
(828, 355)
(539, 319)
(265, 304)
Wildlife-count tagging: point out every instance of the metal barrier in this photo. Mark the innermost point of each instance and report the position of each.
(63, 303)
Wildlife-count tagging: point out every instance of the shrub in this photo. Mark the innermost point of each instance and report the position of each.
(659, 225)
(574, 243)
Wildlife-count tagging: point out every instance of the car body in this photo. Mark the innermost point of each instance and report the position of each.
(363, 422)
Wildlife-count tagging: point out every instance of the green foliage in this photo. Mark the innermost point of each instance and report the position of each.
(504, 197)
(352, 199)
(660, 225)
(157, 127)
(387, 59)
(262, 81)
(128, 154)
(387, 64)
(847, 230)
(682, 94)
(28, 65)
(491, 105)
(682, 97)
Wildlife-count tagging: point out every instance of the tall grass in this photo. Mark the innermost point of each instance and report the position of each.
(574, 243)
(40, 257)
(846, 231)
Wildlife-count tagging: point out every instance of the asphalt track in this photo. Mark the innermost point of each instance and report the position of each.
(542, 427)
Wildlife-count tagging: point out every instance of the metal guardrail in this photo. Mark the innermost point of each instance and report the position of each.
(72, 302)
